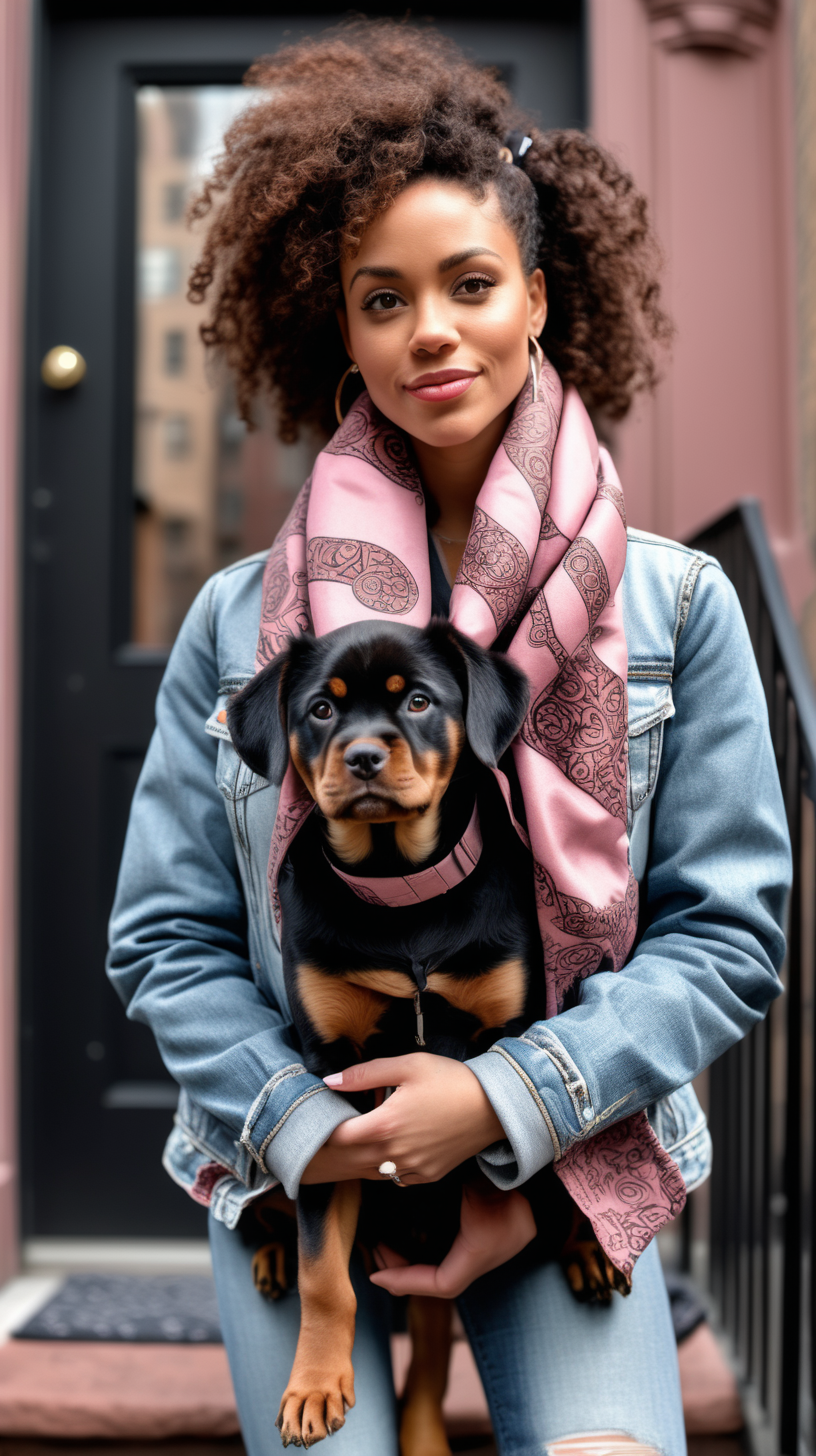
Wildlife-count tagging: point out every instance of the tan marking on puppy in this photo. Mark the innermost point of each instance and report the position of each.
(395, 683)
(322, 1380)
(397, 791)
(303, 767)
(591, 1275)
(403, 776)
(350, 839)
(337, 687)
(416, 839)
(388, 983)
(422, 1429)
(269, 1271)
(495, 997)
(405, 785)
(336, 1007)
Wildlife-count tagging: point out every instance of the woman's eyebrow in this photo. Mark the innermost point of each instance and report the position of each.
(456, 258)
(453, 261)
(374, 273)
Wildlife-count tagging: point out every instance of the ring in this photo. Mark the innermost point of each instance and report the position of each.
(389, 1170)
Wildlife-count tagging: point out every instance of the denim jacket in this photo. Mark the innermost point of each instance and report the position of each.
(194, 951)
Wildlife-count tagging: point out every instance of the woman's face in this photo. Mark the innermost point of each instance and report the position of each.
(438, 312)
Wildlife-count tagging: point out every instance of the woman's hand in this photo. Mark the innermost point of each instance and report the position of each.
(494, 1226)
(437, 1118)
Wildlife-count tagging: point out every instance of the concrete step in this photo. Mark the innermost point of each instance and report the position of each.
(66, 1390)
(72, 1390)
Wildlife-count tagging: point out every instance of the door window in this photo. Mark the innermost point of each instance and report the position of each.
(206, 490)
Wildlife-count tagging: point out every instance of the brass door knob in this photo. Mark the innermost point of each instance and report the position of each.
(62, 367)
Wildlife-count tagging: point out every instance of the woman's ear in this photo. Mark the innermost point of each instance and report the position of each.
(342, 320)
(497, 693)
(256, 718)
(536, 302)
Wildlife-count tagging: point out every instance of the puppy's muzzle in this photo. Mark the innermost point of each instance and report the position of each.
(365, 760)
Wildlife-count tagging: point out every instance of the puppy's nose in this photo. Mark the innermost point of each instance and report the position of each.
(365, 759)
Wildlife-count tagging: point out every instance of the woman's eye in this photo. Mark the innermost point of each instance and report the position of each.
(474, 285)
(417, 703)
(322, 710)
(382, 302)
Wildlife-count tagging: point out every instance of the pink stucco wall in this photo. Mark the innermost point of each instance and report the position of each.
(14, 78)
(709, 135)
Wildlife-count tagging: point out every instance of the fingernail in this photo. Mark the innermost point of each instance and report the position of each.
(334, 1079)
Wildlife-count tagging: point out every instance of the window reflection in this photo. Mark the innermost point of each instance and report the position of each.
(206, 492)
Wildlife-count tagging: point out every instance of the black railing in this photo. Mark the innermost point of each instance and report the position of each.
(762, 1276)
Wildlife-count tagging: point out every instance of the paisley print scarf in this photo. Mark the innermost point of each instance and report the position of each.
(539, 577)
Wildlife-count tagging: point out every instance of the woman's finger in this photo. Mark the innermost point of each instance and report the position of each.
(382, 1072)
(415, 1279)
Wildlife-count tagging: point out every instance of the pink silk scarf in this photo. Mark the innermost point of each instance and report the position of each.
(541, 571)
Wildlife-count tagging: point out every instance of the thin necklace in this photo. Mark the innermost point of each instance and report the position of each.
(450, 540)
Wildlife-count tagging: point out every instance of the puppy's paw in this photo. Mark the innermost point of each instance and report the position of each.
(314, 1405)
(590, 1273)
(269, 1271)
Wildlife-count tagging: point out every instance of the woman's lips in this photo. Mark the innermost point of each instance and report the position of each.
(446, 384)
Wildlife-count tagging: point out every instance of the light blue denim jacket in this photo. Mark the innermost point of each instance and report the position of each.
(195, 954)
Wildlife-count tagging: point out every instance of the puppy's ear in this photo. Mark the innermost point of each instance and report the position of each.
(497, 693)
(256, 718)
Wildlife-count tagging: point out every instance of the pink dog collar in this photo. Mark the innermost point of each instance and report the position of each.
(400, 890)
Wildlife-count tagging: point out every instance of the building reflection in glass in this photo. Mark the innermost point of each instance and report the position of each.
(206, 491)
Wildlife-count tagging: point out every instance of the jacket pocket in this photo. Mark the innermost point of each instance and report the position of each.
(234, 780)
(650, 705)
(681, 1126)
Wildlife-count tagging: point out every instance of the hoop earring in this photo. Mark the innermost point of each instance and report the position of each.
(352, 369)
(536, 362)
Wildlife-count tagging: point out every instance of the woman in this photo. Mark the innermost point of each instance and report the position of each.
(384, 204)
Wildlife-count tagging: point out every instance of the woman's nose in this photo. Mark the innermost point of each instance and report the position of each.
(434, 330)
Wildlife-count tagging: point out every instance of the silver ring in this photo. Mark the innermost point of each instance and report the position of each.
(389, 1170)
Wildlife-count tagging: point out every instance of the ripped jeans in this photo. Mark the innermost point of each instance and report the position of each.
(550, 1367)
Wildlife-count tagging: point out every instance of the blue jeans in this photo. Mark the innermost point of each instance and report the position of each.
(550, 1366)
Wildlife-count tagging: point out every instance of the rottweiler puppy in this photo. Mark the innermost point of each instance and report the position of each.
(408, 919)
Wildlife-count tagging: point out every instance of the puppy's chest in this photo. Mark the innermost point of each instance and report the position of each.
(452, 970)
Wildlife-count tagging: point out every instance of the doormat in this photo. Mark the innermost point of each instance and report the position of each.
(133, 1308)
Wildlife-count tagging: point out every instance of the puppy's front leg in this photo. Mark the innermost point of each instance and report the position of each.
(321, 1384)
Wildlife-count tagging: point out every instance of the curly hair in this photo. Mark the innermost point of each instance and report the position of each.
(341, 125)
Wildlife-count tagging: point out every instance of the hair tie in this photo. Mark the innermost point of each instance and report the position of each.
(516, 145)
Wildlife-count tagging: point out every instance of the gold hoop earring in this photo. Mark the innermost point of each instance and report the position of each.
(352, 369)
(536, 362)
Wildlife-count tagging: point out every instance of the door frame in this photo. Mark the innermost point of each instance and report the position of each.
(34, 62)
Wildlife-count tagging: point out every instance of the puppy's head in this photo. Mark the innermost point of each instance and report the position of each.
(374, 717)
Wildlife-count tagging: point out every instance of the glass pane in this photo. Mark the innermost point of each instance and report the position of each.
(206, 492)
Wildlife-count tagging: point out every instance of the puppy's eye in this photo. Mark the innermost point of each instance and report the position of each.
(417, 703)
(322, 710)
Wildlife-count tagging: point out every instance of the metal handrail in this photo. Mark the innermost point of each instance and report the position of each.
(789, 643)
(762, 1276)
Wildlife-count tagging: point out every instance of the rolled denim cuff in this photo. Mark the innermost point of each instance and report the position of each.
(529, 1145)
(305, 1130)
(565, 1096)
(290, 1089)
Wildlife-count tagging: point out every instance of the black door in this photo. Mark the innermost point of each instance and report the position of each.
(139, 483)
